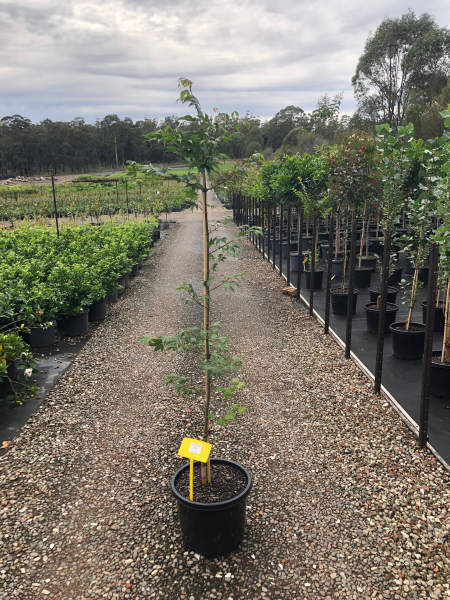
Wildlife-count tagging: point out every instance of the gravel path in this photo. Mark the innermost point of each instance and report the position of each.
(344, 504)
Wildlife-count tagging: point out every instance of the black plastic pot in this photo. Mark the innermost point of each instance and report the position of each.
(140, 263)
(97, 311)
(121, 282)
(391, 294)
(11, 371)
(77, 324)
(423, 276)
(325, 248)
(339, 301)
(127, 280)
(294, 262)
(376, 246)
(439, 318)
(373, 314)
(409, 267)
(408, 345)
(40, 337)
(112, 298)
(306, 242)
(363, 276)
(337, 267)
(134, 270)
(440, 377)
(277, 245)
(318, 279)
(371, 261)
(284, 247)
(396, 276)
(216, 528)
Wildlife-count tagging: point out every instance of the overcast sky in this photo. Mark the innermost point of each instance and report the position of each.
(61, 59)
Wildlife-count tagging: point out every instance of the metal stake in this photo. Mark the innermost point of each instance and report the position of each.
(351, 286)
(288, 265)
(300, 252)
(281, 239)
(382, 315)
(54, 204)
(427, 357)
(313, 267)
(329, 275)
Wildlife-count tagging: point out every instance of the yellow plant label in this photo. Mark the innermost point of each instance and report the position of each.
(195, 449)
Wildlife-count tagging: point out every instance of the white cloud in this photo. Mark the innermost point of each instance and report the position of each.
(85, 58)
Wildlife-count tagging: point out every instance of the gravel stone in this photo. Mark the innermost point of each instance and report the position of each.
(344, 504)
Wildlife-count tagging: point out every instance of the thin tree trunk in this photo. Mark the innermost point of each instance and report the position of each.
(362, 237)
(414, 287)
(206, 468)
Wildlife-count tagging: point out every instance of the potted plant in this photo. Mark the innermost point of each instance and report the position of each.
(440, 365)
(394, 157)
(16, 364)
(208, 527)
(409, 338)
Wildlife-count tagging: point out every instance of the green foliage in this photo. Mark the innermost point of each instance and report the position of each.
(43, 276)
(405, 61)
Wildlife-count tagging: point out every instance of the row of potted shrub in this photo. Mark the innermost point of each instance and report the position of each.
(71, 277)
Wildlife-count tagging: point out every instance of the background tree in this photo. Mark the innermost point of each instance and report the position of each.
(406, 61)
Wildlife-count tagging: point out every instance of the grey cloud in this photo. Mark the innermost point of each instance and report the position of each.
(86, 58)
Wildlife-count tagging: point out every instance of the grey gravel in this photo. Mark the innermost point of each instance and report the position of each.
(344, 504)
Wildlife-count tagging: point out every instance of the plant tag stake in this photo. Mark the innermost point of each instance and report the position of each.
(194, 450)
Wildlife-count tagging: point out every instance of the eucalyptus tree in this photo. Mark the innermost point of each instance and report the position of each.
(406, 60)
(199, 146)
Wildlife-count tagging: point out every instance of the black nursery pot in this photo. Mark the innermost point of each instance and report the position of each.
(440, 377)
(112, 298)
(408, 345)
(373, 316)
(371, 261)
(318, 279)
(134, 270)
(294, 262)
(339, 301)
(40, 337)
(121, 282)
(77, 324)
(396, 276)
(423, 275)
(439, 318)
(97, 311)
(391, 294)
(216, 528)
(363, 277)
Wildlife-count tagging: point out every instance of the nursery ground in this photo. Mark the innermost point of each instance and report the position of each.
(344, 504)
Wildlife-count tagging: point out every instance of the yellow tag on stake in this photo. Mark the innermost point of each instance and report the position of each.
(194, 450)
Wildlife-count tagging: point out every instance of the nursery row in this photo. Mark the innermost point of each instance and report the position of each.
(367, 306)
(95, 200)
(45, 278)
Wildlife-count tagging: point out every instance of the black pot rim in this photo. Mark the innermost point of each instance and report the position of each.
(372, 256)
(402, 323)
(206, 506)
(363, 269)
(439, 365)
(390, 287)
(98, 301)
(338, 260)
(336, 292)
(85, 311)
(373, 310)
(315, 270)
(441, 305)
